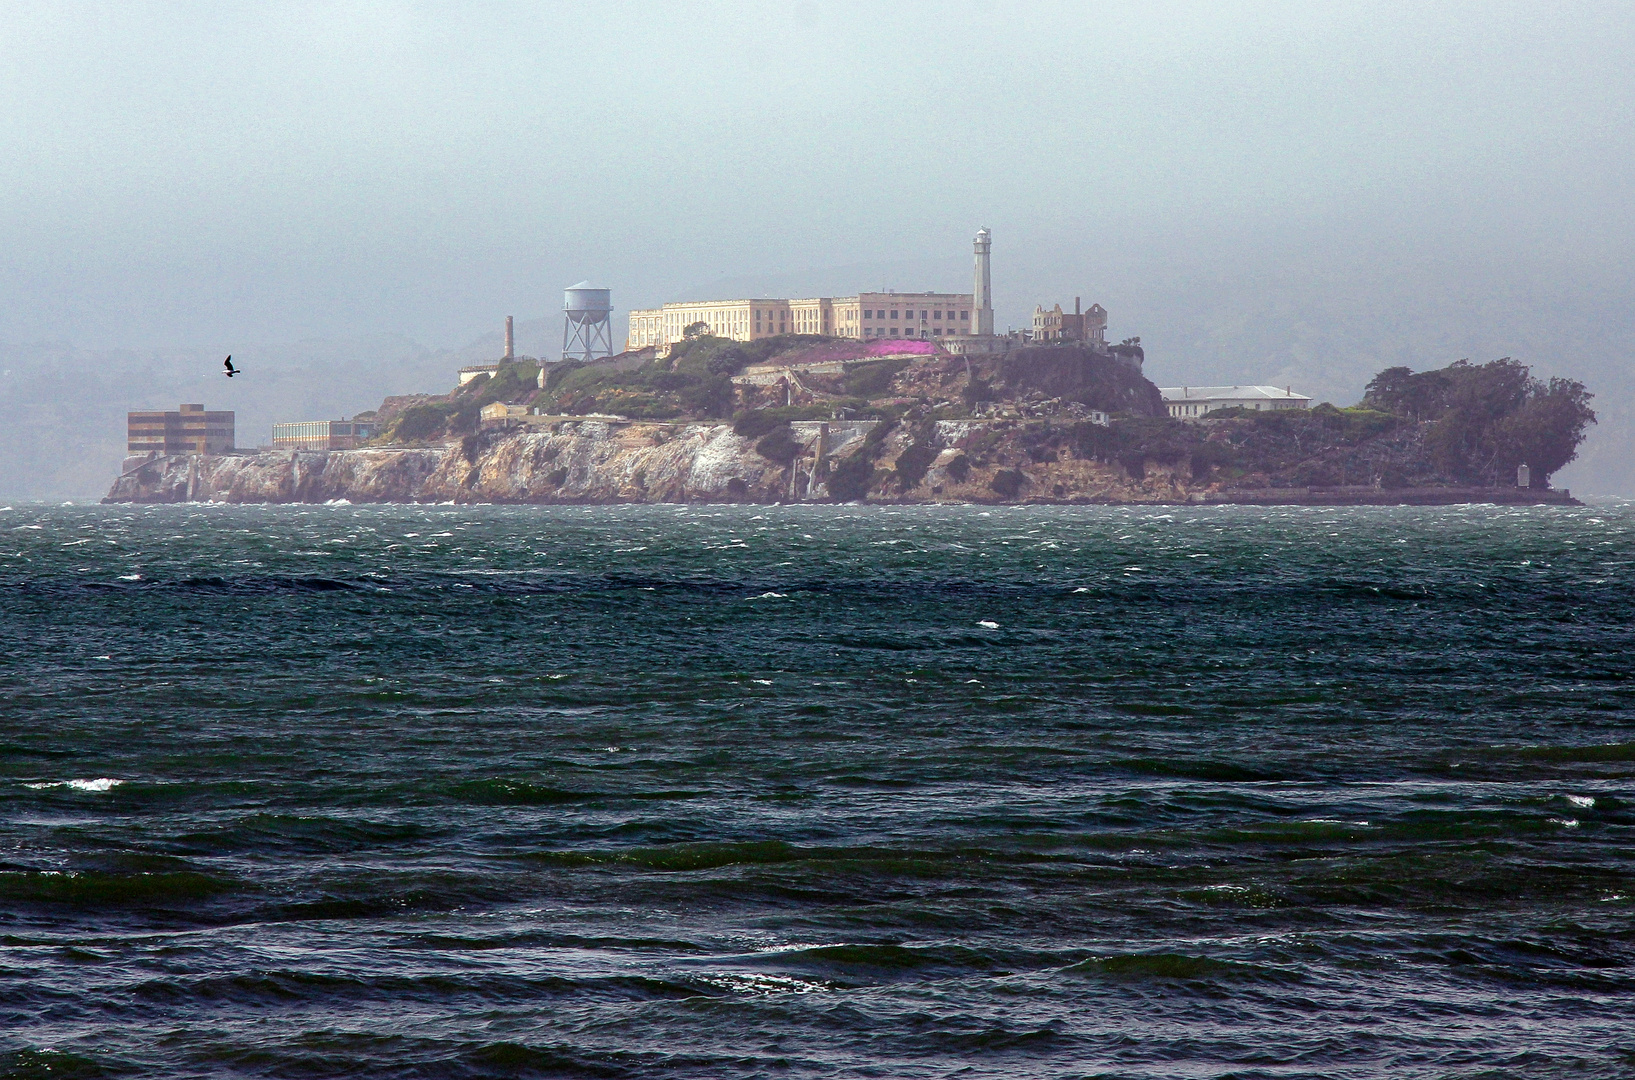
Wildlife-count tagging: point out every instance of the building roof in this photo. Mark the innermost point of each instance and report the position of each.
(1229, 393)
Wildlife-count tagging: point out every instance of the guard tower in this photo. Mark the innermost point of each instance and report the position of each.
(587, 326)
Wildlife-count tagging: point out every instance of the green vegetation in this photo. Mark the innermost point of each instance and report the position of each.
(1324, 438)
(779, 445)
(511, 382)
(1486, 419)
(912, 465)
(724, 356)
(754, 423)
(693, 381)
(460, 412)
(1006, 483)
(872, 378)
(427, 423)
(852, 478)
(1076, 374)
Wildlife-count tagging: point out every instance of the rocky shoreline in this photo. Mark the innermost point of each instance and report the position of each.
(594, 461)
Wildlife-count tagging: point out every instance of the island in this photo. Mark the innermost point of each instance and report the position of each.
(805, 418)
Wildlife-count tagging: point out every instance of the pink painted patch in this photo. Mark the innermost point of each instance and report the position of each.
(900, 347)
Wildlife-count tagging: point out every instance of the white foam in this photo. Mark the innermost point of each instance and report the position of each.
(770, 596)
(101, 783)
(746, 983)
(1585, 801)
(988, 623)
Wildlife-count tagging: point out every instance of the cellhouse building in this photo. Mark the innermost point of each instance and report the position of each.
(923, 315)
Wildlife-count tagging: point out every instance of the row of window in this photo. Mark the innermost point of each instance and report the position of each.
(881, 331)
(934, 315)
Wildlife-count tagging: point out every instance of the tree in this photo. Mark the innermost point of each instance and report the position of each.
(729, 361)
(695, 330)
(1545, 433)
(1488, 418)
(1398, 390)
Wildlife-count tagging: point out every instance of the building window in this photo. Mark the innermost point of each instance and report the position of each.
(893, 314)
(937, 315)
(965, 314)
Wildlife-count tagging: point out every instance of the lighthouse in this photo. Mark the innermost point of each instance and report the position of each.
(982, 289)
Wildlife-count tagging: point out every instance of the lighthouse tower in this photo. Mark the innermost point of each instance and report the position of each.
(982, 290)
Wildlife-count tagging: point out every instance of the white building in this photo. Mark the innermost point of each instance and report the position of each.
(866, 316)
(926, 316)
(1193, 402)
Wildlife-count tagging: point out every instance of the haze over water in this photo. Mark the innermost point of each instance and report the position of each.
(350, 198)
(441, 791)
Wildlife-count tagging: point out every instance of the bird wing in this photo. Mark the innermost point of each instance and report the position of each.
(228, 363)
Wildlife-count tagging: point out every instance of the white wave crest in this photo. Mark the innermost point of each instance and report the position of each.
(101, 783)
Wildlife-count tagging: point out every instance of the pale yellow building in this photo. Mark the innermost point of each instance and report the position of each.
(864, 316)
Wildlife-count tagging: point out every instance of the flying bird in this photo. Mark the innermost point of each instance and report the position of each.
(228, 364)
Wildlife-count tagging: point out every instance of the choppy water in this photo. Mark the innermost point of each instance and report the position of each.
(815, 791)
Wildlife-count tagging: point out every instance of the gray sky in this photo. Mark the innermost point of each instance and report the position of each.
(1301, 191)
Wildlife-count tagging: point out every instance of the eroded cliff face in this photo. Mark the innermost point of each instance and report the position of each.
(598, 462)
(593, 461)
(589, 462)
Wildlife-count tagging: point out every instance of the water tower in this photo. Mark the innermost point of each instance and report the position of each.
(587, 329)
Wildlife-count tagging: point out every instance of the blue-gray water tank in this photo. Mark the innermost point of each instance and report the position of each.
(585, 303)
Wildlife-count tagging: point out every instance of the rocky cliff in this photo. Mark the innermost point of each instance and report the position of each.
(594, 461)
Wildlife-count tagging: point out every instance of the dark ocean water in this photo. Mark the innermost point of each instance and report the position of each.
(817, 791)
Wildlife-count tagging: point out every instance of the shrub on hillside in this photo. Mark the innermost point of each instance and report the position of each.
(779, 446)
(852, 478)
(912, 465)
(654, 391)
(420, 423)
(1078, 374)
(873, 378)
(1006, 483)
(755, 423)
(512, 382)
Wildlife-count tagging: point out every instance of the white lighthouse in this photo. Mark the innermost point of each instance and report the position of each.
(980, 337)
(982, 289)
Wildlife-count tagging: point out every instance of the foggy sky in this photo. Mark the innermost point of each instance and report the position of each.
(1263, 192)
